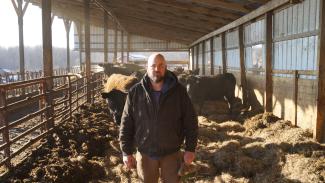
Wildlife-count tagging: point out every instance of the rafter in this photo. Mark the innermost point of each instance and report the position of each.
(209, 12)
(221, 4)
(167, 14)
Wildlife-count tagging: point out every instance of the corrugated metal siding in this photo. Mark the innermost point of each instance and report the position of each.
(295, 48)
(232, 50)
(254, 42)
(195, 56)
(217, 55)
(200, 58)
(207, 58)
(295, 36)
(137, 43)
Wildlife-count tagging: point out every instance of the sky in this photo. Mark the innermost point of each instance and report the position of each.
(32, 27)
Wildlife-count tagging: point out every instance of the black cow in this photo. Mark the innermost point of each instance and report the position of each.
(125, 69)
(203, 88)
(116, 100)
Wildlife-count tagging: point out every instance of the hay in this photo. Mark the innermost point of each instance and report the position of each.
(265, 149)
(119, 82)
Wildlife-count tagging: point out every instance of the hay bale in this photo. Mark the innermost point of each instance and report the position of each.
(119, 82)
(227, 178)
(247, 166)
(208, 133)
(231, 126)
(225, 157)
(203, 121)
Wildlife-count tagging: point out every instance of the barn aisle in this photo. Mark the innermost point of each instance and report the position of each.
(261, 148)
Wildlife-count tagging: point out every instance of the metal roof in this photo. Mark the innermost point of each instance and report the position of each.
(182, 21)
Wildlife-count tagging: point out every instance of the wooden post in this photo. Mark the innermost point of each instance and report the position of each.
(128, 47)
(47, 54)
(319, 128)
(67, 25)
(211, 56)
(122, 46)
(223, 52)
(189, 63)
(4, 123)
(268, 66)
(192, 55)
(203, 58)
(197, 55)
(20, 11)
(87, 48)
(79, 30)
(242, 64)
(115, 42)
(296, 95)
(70, 96)
(41, 103)
(105, 37)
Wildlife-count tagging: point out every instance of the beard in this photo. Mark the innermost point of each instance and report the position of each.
(157, 78)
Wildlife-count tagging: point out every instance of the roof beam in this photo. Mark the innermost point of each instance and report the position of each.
(203, 11)
(109, 11)
(221, 4)
(164, 29)
(167, 23)
(162, 15)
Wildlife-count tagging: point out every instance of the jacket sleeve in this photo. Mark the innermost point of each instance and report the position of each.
(190, 124)
(126, 135)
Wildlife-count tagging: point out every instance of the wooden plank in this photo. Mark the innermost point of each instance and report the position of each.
(254, 14)
(87, 48)
(105, 37)
(223, 53)
(243, 81)
(268, 64)
(319, 128)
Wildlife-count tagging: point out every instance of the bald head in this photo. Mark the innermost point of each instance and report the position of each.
(156, 68)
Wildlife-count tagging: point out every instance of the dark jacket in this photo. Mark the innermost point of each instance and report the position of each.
(158, 129)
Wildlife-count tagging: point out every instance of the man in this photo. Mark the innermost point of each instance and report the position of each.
(158, 115)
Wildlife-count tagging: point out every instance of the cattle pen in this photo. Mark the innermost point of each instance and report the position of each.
(56, 127)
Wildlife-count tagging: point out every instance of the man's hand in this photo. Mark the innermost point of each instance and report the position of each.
(129, 161)
(189, 157)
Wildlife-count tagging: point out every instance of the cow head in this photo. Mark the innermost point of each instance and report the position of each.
(192, 86)
(115, 100)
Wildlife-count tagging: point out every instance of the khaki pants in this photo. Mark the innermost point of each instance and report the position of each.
(166, 167)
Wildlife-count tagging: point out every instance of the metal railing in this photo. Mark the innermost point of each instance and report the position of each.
(54, 106)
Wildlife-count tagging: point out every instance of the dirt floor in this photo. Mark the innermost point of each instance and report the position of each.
(261, 148)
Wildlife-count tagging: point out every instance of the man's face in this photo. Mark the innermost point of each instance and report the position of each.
(156, 68)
